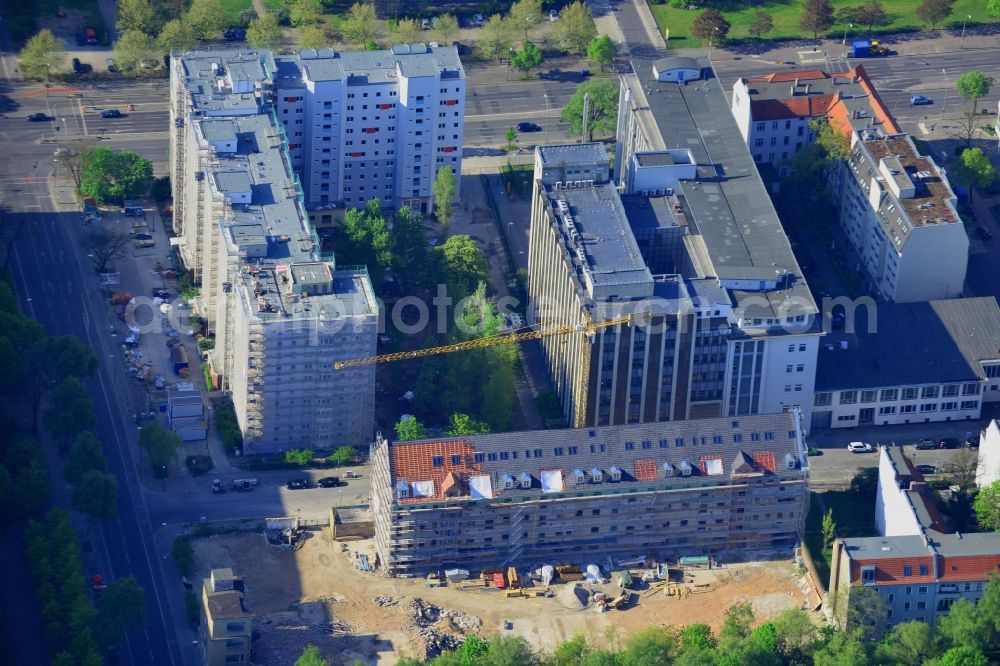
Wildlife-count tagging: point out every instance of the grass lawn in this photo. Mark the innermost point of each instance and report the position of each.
(786, 15)
(231, 8)
(855, 517)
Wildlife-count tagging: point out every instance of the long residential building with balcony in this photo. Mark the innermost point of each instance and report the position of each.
(280, 308)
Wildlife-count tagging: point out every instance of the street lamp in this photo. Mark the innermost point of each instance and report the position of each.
(510, 54)
(547, 119)
(961, 44)
(715, 29)
(844, 40)
(944, 107)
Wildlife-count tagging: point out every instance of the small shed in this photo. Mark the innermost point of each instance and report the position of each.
(676, 69)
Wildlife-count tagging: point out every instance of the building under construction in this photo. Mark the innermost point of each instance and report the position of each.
(729, 488)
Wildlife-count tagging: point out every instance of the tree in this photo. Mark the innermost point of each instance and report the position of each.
(86, 455)
(245, 16)
(206, 18)
(123, 606)
(344, 455)
(409, 429)
(911, 643)
(446, 28)
(697, 636)
(311, 656)
(104, 247)
(42, 55)
(974, 170)
(132, 49)
(843, 649)
(602, 51)
(299, 456)
(529, 57)
(444, 190)
(711, 26)
(305, 12)
(71, 411)
(31, 489)
(177, 35)
(524, 16)
(111, 176)
(94, 496)
(871, 14)
(367, 239)
(67, 356)
(761, 24)
(987, 506)
(963, 655)
(313, 37)
(575, 28)
(817, 16)
(410, 254)
(993, 7)
(962, 467)
(494, 38)
(137, 15)
(510, 134)
(463, 265)
(161, 446)
(361, 25)
(973, 86)
(408, 31)
(866, 614)
(864, 484)
(963, 626)
(648, 646)
(264, 32)
(829, 529)
(463, 424)
(796, 634)
(933, 12)
(602, 108)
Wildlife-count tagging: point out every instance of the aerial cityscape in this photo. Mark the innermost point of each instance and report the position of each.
(523, 332)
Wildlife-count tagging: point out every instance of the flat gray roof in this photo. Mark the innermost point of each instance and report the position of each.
(574, 152)
(913, 343)
(218, 130)
(728, 205)
(369, 67)
(233, 181)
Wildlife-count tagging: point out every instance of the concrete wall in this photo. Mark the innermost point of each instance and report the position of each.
(989, 455)
(933, 263)
(894, 515)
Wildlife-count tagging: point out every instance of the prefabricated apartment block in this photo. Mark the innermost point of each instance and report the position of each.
(681, 236)
(281, 309)
(729, 488)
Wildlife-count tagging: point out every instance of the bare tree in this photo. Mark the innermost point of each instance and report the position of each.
(105, 246)
(962, 468)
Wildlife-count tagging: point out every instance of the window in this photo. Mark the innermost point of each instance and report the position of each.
(909, 393)
(557, 451)
(929, 392)
(572, 450)
(907, 571)
(949, 391)
(886, 411)
(868, 396)
(737, 438)
(235, 626)
(970, 404)
(889, 395)
(822, 399)
(630, 446)
(923, 572)
(438, 461)
(949, 406)
(480, 457)
(921, 605)
(867, 575)
(907, 409)
(970, 389)
(928, 407)
(848, 397)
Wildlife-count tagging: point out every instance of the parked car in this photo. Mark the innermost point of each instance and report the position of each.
(37, 117)
(927, 469)
(984, 233)
(528, 127)
(297, 484)
(328, 482)
(553, 14)
(478, 20)
(920, 100)
(972, 441)
(425, 24)
(217, 487)
(949, 443)
(111, 113)
(860, 447)
(925, 445)
(161, 293)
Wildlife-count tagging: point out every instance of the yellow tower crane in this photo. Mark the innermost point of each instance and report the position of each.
(587, 329)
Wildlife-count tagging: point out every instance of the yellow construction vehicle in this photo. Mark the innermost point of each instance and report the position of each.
(587, 329)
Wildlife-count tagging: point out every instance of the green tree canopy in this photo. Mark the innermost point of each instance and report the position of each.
(529, 57)
(311, 656)
(649, 646)
(206, 18)
(993, 7)
(463, 424)
(494, 40)
(132, 49)
(987, 507)
(137, 15)
(305, 12)
(602, 51)
(160, 446)
(94, 496)
(263, 32)
(43, 55)
(910, 643)
(409, 429)
(123, 606)
(973, 86)
(524, 16)
(85, 455)
(575, 28)
(408, 31)
(711, 26)
(817, 16)
(446, 27)
(177, 35)
(299, 456)
(602, 108)
(974, 169)
(870, 14)
(761, 24)
(366, 239)
(463, 265)
(361, 24)
(313, 37)
(933, 12)
(31, 489)
(71, 411)
(344, 455)
(445, 189)
(963, 655)
(113, 176)
(410, 254)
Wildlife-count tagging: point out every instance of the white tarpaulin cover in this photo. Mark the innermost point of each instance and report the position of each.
(423, 488)
(713, 467)
(593, 574)
(548, 571)
(552, 481)
(480, 487)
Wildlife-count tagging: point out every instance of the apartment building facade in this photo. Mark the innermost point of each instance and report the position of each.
(919, 566)
(226, 628)
(371, 124)
(281, 309)
(910, 363)
(729, 488)
(719, 308)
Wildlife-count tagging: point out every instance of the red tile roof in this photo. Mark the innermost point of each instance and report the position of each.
(415, 462)
(890, 569)
(781, 77)
(812, 106)
(765, 459)
(645, 470)
(970, 567)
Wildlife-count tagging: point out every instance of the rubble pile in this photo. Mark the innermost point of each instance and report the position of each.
(422, 614)
(431, 643)
(383, 601)
(462, 621)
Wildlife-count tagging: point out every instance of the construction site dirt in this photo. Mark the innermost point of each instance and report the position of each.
(314, 594)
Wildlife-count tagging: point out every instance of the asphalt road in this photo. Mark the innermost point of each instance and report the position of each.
(55, 286)
(490, 108)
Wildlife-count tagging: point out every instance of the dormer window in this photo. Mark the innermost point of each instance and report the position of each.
(668, 469)
(507, 481)
(402, 489)
(596, 475)
(615, 474)
(685, 468)
(581, 476)
(524, 480)
(790, 461)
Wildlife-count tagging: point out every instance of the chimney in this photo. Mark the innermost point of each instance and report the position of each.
(918, 486)
(808, 86)
(796, 83)
(793, 91)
